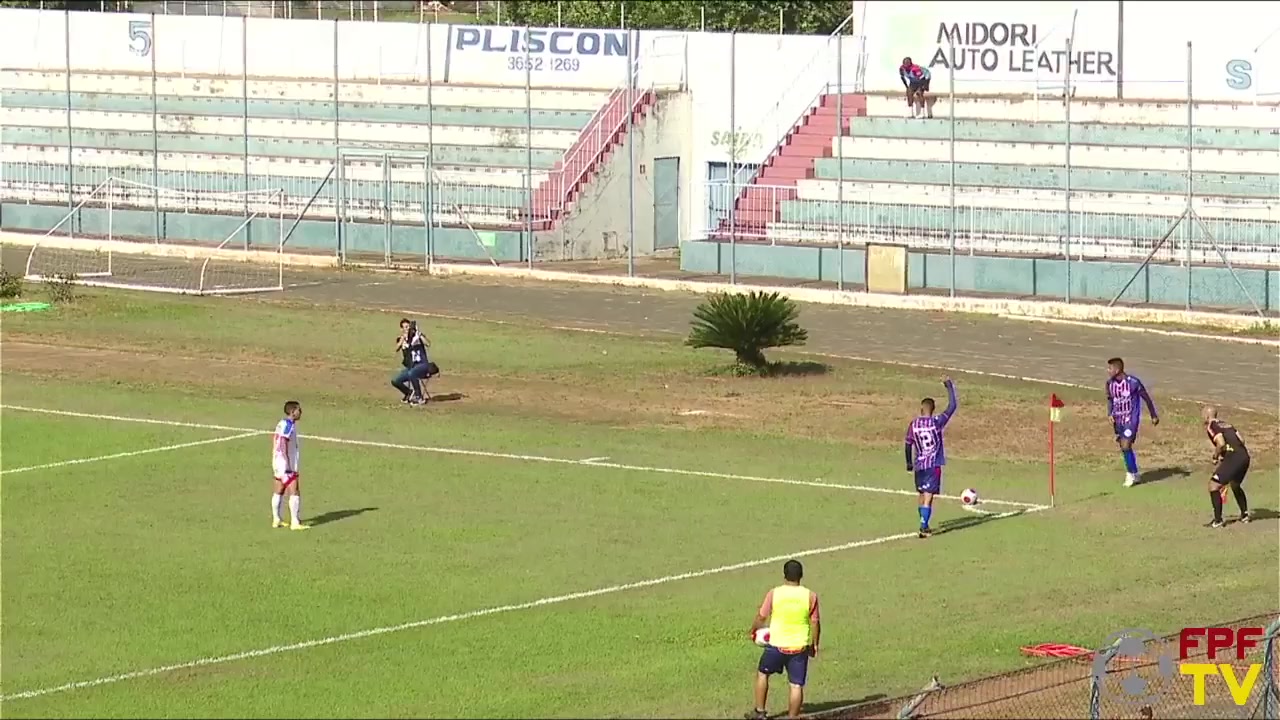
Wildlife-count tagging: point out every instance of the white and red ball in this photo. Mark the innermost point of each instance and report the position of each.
(761, 636)
(969, 496)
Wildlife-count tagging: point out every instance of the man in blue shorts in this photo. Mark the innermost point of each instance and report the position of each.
(1124, 392)
(924, 436)
(790, 611)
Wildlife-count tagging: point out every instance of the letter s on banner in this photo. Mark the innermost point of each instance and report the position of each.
(1239, 74)
(555, 57)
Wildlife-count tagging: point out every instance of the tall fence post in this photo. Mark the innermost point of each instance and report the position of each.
(155, 133)
(1066, 101)
(337, 151)
(1188, 229)
(951, 167)
(388, 240)
(428, 198)
(839, 161)
(528, 144)
(733, 159)
(71, 160)
(633, 37)
(244, 98)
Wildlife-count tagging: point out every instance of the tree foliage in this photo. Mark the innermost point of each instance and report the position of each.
(819, 17)
(82, 5)
(748, 325)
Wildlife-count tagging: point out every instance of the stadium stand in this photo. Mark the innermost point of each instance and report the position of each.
(1128, 177)
(480, 156)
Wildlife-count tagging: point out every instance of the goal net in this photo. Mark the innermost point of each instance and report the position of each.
(123, 235)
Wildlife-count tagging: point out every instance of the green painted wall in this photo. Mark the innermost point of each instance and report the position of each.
(454, 243)
(1038, 278)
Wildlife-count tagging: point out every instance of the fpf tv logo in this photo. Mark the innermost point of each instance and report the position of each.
(1220, 643)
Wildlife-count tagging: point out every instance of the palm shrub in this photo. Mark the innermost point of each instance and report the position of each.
(10, 285)
(748, 325)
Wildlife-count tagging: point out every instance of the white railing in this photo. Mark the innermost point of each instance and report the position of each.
(1247, 232)
(365, 195)
(771, 124)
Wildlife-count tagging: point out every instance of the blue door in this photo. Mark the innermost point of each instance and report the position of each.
(666, 203)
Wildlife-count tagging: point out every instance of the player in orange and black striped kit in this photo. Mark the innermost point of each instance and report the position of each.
(1232, 465)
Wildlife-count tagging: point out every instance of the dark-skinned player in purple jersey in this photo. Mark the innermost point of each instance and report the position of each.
(1125, 393)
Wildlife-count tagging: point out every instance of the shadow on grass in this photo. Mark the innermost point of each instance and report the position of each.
(1164, 473)
(816, 709)
(446, 397)
(783, 368)
(973, 520)
(336, 515)
(797, 368)
(1260, 514)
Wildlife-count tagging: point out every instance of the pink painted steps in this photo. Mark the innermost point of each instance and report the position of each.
(760, 201)
(583, 160)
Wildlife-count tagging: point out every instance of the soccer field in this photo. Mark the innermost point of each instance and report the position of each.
(583, 525)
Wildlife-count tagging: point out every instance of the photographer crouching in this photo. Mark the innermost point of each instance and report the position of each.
(413, 345)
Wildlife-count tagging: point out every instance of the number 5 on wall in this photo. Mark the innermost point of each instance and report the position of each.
(140, 37)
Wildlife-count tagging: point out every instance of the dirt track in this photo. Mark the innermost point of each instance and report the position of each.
(1217, 371)
(1209, 370)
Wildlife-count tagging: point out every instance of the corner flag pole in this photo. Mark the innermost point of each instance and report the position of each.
(1055, 417)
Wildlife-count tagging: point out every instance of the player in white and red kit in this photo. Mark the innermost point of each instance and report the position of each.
(284, 468)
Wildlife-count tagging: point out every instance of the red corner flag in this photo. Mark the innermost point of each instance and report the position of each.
(1055, 417)
(1055, 408)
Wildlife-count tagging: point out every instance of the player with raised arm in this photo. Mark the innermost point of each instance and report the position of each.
(1123, 407)
(924, 437)
(1231, 460)
(284, 468)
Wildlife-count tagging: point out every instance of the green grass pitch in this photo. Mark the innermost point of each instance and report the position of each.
(583, 525)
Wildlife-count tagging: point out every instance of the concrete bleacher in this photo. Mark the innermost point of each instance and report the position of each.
(1128, 179)
(492, 161)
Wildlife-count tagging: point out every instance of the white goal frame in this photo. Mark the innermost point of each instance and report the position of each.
(115, 191)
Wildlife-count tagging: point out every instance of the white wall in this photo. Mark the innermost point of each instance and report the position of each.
(1018, 47)
(1235, 50)
(994, 46)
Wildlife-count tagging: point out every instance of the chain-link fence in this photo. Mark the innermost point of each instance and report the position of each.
(1111, 683)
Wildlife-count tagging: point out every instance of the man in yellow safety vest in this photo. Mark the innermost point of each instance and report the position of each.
(790, 611)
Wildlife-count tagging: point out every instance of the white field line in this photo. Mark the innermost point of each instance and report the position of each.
(443, 619)
(1007, 376)
(525, 458)
(134, 453)
(1153, 331)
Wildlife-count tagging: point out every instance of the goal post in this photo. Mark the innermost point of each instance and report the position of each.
(109, 239)
(215, 278)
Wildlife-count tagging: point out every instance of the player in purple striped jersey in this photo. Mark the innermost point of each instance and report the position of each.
(924, 437)
(1125, 395)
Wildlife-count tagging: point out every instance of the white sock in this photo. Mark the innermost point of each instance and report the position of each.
(295, 508)
(275, 506)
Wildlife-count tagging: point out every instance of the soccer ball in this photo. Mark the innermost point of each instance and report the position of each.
(969, 497)
(761, 636)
